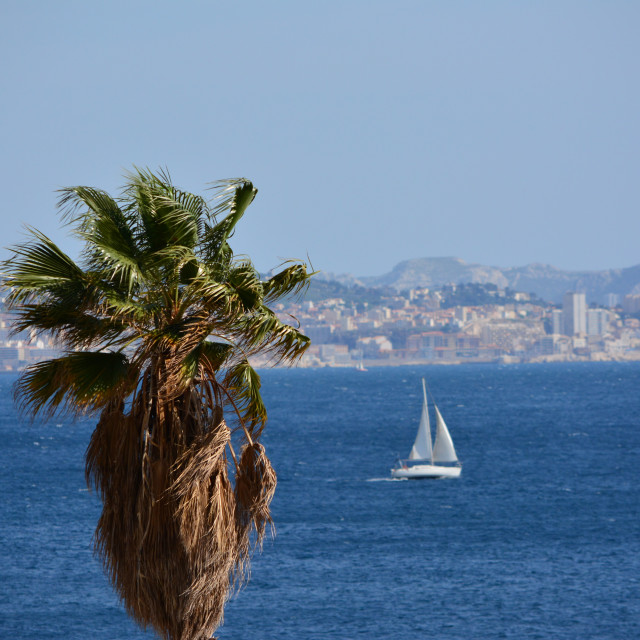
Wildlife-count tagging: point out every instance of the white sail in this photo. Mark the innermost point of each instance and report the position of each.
(421, 449)
(443, 450)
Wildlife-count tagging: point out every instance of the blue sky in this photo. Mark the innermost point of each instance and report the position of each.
(502, 133)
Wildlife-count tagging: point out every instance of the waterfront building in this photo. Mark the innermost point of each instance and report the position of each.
(546, 346)
(334, 353)
(374, 346)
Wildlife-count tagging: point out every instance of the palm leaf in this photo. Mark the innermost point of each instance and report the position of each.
(69, 325)
(234, 197)
(163, 215)
(37, 266)
(75, 382)
(267, 333)
(246, 284)
(243, 383)
(291, 280)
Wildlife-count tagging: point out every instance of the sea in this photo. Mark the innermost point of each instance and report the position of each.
(538, 538)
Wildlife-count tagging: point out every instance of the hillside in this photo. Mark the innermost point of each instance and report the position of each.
(546, 281)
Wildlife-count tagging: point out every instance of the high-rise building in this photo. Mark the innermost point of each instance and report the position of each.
(574, 311)
(631, 303)
(613, 300)
(557, 321)
(597, 322)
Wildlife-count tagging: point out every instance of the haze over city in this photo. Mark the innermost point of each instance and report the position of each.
(501, 133)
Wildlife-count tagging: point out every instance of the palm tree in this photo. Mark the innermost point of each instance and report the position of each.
(158, 324)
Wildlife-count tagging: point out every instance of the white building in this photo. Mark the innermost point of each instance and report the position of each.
(613, 300)
(574, 311)
(557, 322)
(373, 347)
(631, 303)
(597, 322)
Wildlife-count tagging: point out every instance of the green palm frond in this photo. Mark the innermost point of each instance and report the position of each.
(179, 225)
(188, 271)
(243, 383)
(37, 266)
(268, 334)
(234, 196)
(246, 283)
(83, 207)
(168, 216)
(171, 257)
(81, 380)
(215, 353)
(71, 327)
(211, 355)
(289, 281)
(108, 233)
(213, 297)
(128, 310)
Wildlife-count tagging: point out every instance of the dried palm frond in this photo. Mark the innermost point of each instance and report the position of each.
(255, 485)
(196, 469)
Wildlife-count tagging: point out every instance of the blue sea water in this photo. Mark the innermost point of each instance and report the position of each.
(539, 537)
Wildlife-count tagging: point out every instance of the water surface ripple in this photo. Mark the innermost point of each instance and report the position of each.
(539, 538)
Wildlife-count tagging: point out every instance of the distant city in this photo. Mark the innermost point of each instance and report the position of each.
(466, 323)
(356, 326)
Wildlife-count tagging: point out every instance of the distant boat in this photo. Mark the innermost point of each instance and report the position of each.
(360, 366)
(425, 460)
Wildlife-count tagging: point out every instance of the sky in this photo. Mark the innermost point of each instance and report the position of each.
(501, 133)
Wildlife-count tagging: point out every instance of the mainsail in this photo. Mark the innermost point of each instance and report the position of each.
(421, 449)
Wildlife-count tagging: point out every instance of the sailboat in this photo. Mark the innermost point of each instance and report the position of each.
(426, 460)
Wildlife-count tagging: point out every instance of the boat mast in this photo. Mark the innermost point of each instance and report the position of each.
(424, 393)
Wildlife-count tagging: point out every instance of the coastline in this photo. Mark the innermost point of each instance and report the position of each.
(633, 356)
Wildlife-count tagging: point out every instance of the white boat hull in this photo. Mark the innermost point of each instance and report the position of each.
(426, 471)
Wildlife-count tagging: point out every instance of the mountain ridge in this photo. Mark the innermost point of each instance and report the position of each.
(546, 281)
